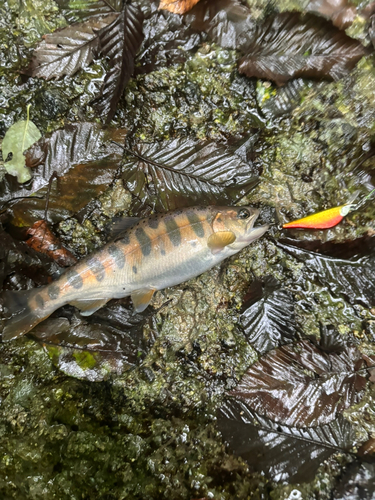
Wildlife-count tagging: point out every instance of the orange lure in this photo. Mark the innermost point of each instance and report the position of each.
(327, 218)
(321, 220)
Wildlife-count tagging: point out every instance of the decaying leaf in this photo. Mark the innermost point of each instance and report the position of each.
(227, 22)
(268, 319)
(85, 161)
(289, 45)
(352, 279)
(109, 341)
(67, 50)
(178, 173)
(302, 386)
(283, 453)
(19, 137)
(340, 12)
(43, 240)
(120, 42)
(177, 6)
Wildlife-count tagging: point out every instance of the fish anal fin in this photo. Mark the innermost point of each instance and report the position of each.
(88, 307)
(141, 298)
(217, 241)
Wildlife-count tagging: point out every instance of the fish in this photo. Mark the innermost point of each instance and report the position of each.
(149, 255)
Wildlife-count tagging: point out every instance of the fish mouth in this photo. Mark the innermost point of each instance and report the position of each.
(253, 217)
(257, 232)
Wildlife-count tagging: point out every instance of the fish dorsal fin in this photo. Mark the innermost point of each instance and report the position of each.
(119, 225)
(141, 298)
(88, 307)
(217, 241)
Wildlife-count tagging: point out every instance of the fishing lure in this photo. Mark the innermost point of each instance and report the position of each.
(153, 254)
(327, 218)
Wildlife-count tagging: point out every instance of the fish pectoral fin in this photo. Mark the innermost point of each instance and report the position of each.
(141, 298)
(88, 307)
(217, 241)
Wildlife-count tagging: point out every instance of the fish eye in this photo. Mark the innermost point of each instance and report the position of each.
(243, 214)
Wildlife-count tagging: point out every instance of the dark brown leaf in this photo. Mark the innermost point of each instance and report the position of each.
(289, 45)
(340, 12)
(120, 42)
(183, 172)
(85, 160)
(109, 341)
(227, 22)
(67, 50)
(268, 319)
(177, 6)
(302, 386)
(352, 279)
(283, 453)
(43, 240)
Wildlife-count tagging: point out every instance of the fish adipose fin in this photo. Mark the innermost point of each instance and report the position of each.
(24, 310)
(88, 307)
(141, 298)
(217, 241)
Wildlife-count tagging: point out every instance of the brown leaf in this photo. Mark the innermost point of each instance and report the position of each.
(67, 50)
(44, 241)
(289, 45)
(340, 12)
(177, 6)
(86, 162)
(302, 386)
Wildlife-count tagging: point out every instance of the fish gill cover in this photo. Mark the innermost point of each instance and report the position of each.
(255, 378)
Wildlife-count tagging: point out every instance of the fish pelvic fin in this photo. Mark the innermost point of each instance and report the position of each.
(24, 310)
(141, 298)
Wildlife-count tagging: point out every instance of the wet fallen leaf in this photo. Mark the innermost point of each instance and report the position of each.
(367, 449)
(289, 45)
(268, 319)
(67, 50)
(227, 22)
(110, 341)
(85, 161)
(340, 12)
(283, 453)
(286, 98)
(352, 279)
(177, 6)
(164, 46)
(19, 137)
(119, 41)
(302, 386)
(43, 240)
(178, 173)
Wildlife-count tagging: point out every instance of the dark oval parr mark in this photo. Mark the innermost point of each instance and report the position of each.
(117, 255)
(97, 268)
(173, 232)
(196, 224)
(143, 240)
(74, 279)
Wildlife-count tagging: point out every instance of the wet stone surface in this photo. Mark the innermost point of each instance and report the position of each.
(150, 432)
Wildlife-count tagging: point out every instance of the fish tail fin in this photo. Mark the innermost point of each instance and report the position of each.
(24, 310)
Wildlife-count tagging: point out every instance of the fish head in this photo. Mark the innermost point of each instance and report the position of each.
(240, 221)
